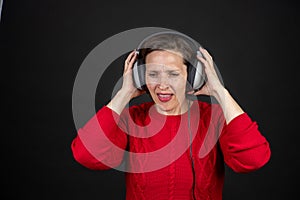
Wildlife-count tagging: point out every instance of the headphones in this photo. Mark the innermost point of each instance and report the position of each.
(196, 76)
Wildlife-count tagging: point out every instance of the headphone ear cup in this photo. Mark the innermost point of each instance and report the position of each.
(138, 74)
(196, 75)
(199, 76)
(190, 76)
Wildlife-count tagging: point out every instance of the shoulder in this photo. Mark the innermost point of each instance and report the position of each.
(208, 108)
(140, 105)
(137, 114)
(137, 110)
(207, 103)
(140, 108)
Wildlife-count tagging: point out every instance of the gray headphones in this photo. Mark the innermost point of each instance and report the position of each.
(196, 76)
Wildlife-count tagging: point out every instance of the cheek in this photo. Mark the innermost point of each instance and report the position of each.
(150, 86)
(180, 88)
(179, 84)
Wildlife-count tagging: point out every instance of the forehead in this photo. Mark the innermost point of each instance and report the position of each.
(165, 59)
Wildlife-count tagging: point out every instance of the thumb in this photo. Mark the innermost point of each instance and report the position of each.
(204, 91)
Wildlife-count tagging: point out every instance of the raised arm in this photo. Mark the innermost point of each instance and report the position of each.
(213, 87)
(128, 90)
(244, 148)
(101, 142)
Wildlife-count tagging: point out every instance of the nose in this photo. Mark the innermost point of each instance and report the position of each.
(163, 82)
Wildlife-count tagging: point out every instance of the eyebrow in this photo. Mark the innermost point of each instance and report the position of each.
(166, 70)
(173, 71)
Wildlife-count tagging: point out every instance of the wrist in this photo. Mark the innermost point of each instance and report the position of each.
(119, 101)
(219, 92)
(125, 92)
(230, 107)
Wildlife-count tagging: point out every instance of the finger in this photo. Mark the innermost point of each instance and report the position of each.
(128, 59)
(199, 92)
(206, 55)
(204, 61)
(209, 69)
(133, 58)
(204, 91)
(191, 92)
(129, 64)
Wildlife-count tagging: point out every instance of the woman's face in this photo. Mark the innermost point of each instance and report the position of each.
(166, 77)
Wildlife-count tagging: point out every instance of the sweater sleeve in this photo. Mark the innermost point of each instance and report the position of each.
(244, 148)
(100, 143)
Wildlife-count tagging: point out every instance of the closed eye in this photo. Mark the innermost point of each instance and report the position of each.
(174, 74)
(152, 74)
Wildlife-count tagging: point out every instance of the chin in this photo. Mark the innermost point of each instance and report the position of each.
(167, 108)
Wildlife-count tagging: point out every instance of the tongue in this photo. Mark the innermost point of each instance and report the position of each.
(164, 97)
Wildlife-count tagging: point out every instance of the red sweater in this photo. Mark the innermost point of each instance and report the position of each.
(159, 153)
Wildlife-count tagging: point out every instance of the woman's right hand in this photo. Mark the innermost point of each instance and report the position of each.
(128, 90)
(128, 85)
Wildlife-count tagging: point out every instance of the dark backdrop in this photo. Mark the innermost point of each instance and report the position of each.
(43, 43)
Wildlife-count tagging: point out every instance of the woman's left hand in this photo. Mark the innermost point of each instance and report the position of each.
(214, 87)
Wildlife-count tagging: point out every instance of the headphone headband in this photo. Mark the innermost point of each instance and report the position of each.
(195, 44)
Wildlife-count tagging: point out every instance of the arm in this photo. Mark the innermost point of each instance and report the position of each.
(101, 142)
(128, 90)
(213, 86)
(243, 146)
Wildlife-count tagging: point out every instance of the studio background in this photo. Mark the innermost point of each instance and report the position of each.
(43, 44)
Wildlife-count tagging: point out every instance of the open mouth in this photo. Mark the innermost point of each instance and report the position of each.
(164, 97)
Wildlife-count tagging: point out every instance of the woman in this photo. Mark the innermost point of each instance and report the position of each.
(184, 142)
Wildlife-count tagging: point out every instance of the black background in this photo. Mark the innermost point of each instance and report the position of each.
(43, 43)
